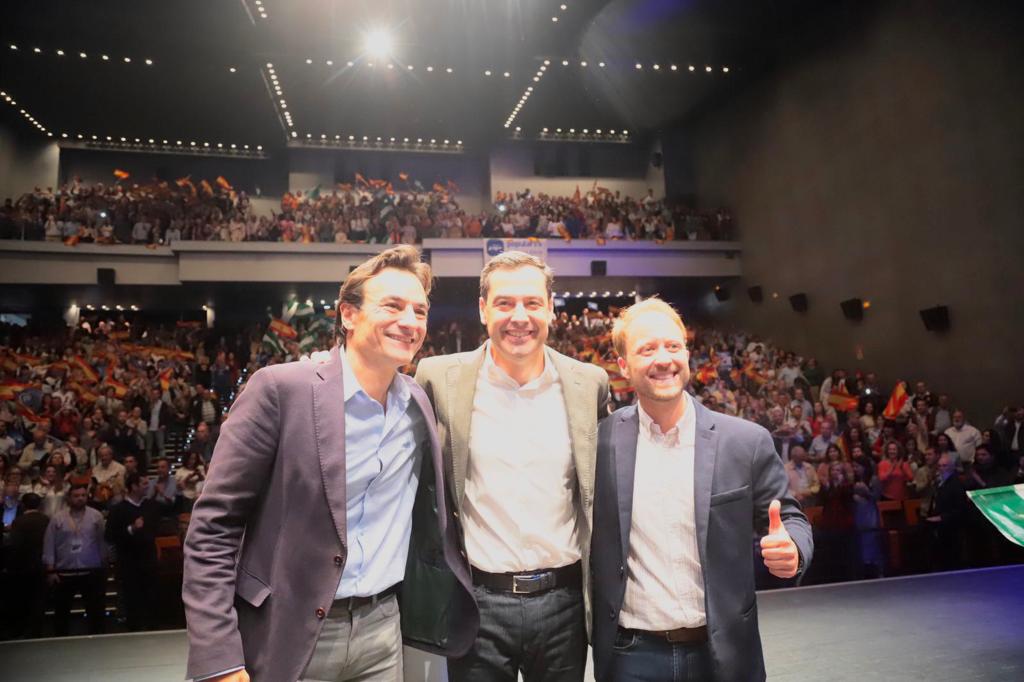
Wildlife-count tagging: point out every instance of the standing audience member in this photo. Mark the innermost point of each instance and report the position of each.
(27, 596)
(131, 529)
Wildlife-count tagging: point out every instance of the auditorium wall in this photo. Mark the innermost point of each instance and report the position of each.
(26, 162)
(886, 166)
(557, 168)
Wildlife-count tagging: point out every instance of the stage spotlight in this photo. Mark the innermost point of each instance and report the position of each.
(378, 43)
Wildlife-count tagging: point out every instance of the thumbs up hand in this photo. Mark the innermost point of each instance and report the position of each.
(778, 549)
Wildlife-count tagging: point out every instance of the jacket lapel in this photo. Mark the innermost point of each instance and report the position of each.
(329, 429)
(705, 450)
(435, 449)
(624, 447)
(576, 402)
(461, 385)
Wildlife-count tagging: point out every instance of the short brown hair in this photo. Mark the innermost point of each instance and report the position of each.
(650, 305)
(513, 260)
(403, 257)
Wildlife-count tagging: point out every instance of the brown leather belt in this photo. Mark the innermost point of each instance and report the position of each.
(696, 635)
(353, 603)
(530, 582)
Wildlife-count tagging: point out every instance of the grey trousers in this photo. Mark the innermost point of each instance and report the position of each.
(364, 645)
(542, 636)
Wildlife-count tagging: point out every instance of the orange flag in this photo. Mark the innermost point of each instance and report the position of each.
(404, 177)
(120, 390)
(843, 402)
(283, 329)
(165, 378)
(223, 183)
(121, 175)
(896, 401)
(206, 187)
(90, 373)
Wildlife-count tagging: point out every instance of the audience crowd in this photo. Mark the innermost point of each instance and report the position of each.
(369, 211)
(107, 434)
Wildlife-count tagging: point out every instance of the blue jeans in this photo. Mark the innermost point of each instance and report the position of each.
(648, 658)
(543, 636)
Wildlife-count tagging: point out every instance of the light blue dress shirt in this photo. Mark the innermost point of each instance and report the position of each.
(383, 451)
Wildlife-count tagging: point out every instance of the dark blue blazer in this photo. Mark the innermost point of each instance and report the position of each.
(737, 473)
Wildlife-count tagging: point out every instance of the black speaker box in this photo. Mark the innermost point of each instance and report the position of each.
(936, 319)
(598, 268)
(756, 294)
(106, 277)
(853, 308)
(799, 302)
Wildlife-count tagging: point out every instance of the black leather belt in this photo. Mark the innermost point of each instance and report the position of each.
(353, 603)
(678, 636)
(531, 582)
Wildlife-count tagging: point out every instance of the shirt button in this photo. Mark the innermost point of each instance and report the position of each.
(622, 571)
(611, 615)
(337, 560)
(320, 613)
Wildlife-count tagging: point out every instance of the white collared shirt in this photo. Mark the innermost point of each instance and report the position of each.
(519, 511)
(664, 583)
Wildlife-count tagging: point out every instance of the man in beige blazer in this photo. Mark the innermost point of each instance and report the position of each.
(518, 424)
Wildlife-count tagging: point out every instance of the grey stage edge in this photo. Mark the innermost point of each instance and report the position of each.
(964, 625)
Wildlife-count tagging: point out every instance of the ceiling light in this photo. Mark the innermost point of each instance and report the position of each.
(585, 131)
(419, 140)
(506, 74)
(82, 55)
(105, 58)
(554, 19)
(433, 141)
(725, 69)
(656, 67)
(674, 67)
(378, 42)
(583, 63)
(449, 69)
(639, 65)
(365, 138)
(518, 129)
(708, 69)
(330, 62)
(405, 139)
(544, 130)
(487, 73)
(391, 66)
(350, 63)
(127, 60)
(64, 135)
(232, 69)
(563, 7)
(430, 68)
(692, 68)
(37, 50)
(565, 62)
(60, 53)
(410, 67)
(259, 147)
(536, 79)
(309, 61)
(149, 62)
(601, 64)
(572, 131)
(459, 142)
(558, 130)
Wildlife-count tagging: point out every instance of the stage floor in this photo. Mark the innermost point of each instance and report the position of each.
(966, 625)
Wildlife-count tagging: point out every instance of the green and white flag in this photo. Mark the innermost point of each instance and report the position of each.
(1004, 508)
(272, 343)
(307, 344)
(304, 309)
(289, 308)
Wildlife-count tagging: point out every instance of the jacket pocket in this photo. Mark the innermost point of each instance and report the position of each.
(730, 495)
(251, 589)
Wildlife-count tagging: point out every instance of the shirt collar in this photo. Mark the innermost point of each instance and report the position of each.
(396, 391)
(687, 422)
(499, 377)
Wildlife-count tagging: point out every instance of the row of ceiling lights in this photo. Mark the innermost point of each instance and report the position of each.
(260, 9)
(90, 306)
(526, 94)
(673, 67)
(594, 294)
(562, 7)
(83, 55)
(391, 66)
(28, 117)
(163, 143)
(280, 103)
(325, 138)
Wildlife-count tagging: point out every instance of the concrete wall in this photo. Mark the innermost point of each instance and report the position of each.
(557, 168)
(27, 161)
(887, 166)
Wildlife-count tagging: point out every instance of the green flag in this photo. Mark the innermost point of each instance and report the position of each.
(304, 309)
(307, 344)
(1004, 508)
(289, 308)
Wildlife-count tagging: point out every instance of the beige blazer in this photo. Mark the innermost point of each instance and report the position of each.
(450, 383)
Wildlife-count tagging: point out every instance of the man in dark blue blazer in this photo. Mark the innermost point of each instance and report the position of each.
(681, 494)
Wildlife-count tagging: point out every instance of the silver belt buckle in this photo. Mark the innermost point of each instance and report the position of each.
(528, 581)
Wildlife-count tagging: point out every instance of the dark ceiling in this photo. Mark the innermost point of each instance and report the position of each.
(189, 92)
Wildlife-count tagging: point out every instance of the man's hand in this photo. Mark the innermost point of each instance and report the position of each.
(237, 676)
(778, 550)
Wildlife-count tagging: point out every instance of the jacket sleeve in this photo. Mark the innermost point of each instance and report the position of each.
(244, 456)
(770, 482)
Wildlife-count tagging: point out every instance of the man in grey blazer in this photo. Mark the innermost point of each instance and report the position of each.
(681, 493)
(324, 535)
(518, 423)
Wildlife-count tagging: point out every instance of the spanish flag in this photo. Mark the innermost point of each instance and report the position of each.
(896, 401)
(121, 174)
(165, 378)
(842, 402)
(404, 177)
(90, 374)
(10, 390)
(707, 373)
(206, 187)
(120, 390)
(360, 180)
(223, 183)
(283, 329)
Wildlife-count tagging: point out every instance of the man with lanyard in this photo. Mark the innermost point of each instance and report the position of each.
(73, 556)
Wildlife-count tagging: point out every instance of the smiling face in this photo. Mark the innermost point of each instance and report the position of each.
(390, 325)
(517, 313)
(656, 361)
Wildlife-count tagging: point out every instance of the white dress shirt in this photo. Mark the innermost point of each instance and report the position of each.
(664, 583)
(519, 511)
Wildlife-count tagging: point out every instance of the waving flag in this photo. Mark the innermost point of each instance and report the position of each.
(90, 374)
(841, 401)
(896, 401)
(223, 183)
(121, 174)
(282, 329)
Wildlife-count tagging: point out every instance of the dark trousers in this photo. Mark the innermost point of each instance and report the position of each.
(137, 583)
(648, 658)
(92, 587)
(543, 636)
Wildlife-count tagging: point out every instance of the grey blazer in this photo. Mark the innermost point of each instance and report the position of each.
(737, 473)
(450, 382)
(267, 543)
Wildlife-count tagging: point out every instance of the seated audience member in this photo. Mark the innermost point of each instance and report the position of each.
(108, 475)
(819, 446)
(834, 455)
(74, 556)
(803, 479)
(33, 454)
